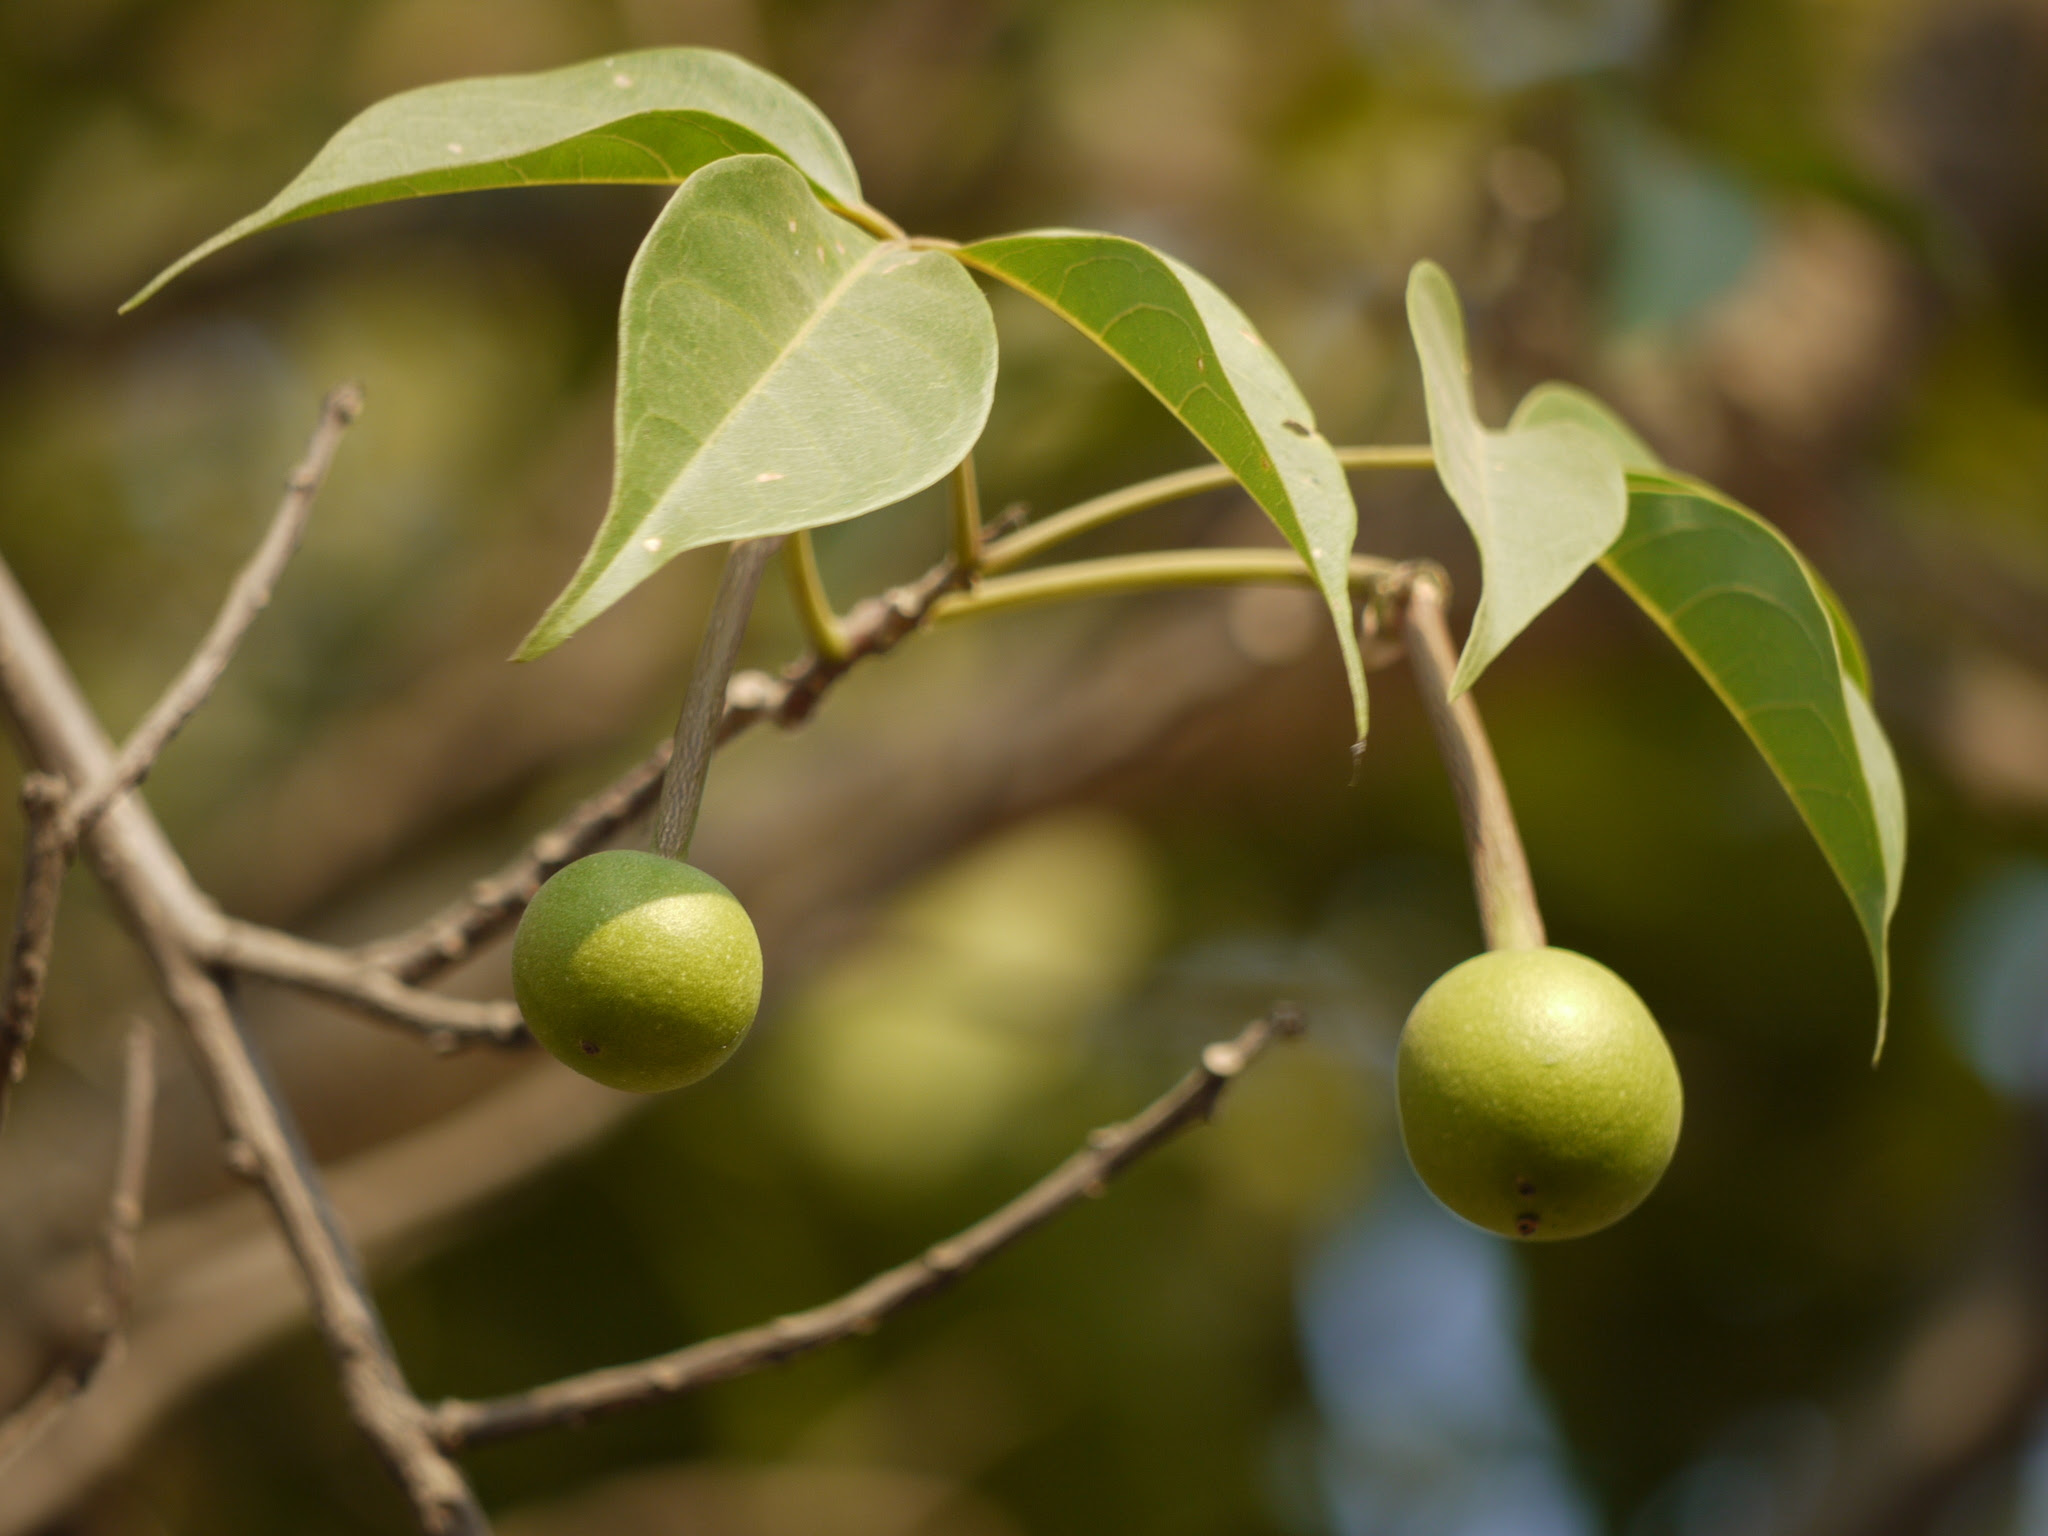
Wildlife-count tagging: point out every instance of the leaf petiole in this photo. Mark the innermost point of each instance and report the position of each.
(813, 604)
(1120, 574)
(1097, 512)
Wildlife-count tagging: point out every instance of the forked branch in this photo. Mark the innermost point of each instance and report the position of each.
(1108, 1151)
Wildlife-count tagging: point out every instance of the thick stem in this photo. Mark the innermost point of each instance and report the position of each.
(682, 788)
(963, 500)
(1146, 573)
(813, 606)
(1500, 870)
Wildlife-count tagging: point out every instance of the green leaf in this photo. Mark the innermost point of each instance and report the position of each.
(1542, 499)
(653, 116)
(778, 369)
(1746, 610)
(1565, 402)
(1187, 343)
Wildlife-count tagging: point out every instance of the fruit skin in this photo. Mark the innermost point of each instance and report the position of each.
(1538, 1098)
(637, 970)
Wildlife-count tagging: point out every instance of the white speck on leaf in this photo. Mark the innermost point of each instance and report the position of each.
(765, 476)
(650, 544)
(454, 149)
(792, 226)
(622, 81)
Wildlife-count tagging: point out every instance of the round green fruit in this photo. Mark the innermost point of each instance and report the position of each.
(1538, 1098)
(637, 970)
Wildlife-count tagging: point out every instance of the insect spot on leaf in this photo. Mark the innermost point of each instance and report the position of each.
(1297, 428)
(1525, 1187)
(591, 1047)
(1527, 1223)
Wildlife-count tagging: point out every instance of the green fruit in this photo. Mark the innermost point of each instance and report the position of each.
(1538, 1098)
(639, 971)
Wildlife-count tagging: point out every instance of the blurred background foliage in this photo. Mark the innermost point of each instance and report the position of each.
(1011, 879)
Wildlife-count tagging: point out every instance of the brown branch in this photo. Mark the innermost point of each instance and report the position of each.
(45, 854)
(57, 819)
(447, 1023)
(68, 1382)
(1110, 1150)
(164, 911)
(451, 935)
(1500, 870)
(247, 598)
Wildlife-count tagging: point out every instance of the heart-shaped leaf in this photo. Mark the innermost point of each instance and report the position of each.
(652, 116)
(778, 369)
(1192, 347)
(1747, 611)
(1542, 499)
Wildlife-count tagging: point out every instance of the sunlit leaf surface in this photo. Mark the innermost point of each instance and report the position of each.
(778, 369)
(1192, 347)
(1543, 499)
(1743, 606)
(652, 116)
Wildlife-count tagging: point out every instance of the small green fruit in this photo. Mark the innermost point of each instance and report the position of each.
(1538, 1098)
(637, 970)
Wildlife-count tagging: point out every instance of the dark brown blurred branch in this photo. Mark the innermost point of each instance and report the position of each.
(1500, 870)
(45, 853)
(68, 1381)
(1110, 1150)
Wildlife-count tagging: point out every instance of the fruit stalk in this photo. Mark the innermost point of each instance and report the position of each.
(1500, 870)
(682, 788)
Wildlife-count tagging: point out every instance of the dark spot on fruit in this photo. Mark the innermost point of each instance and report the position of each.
(1527, 1222)
(1296, 428)
(591, 1047)
(1525, 1187)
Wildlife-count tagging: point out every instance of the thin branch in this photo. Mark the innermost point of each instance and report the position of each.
(1119, 574)
(458, 1424)
(447, 1023)
(682, 784)
(45, 854)
(246, 599)
(68, 1382)
(1085, 517)
(813, 607)
(963, 501)
(1500, 870)
(128, 852)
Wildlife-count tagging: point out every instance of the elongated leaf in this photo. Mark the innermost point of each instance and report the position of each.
(778, 369)
(652, 116)
(1565, 402)
(1542, 499)
(1743, 606)
(1187, 343)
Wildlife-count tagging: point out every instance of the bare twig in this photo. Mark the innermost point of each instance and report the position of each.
(1500, 870)
(448, 1023)
(246, 599)
(117, 1258)
(163, 910)
(682, 785)
(56, 819)
(46, 852)
(1087, 1173)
